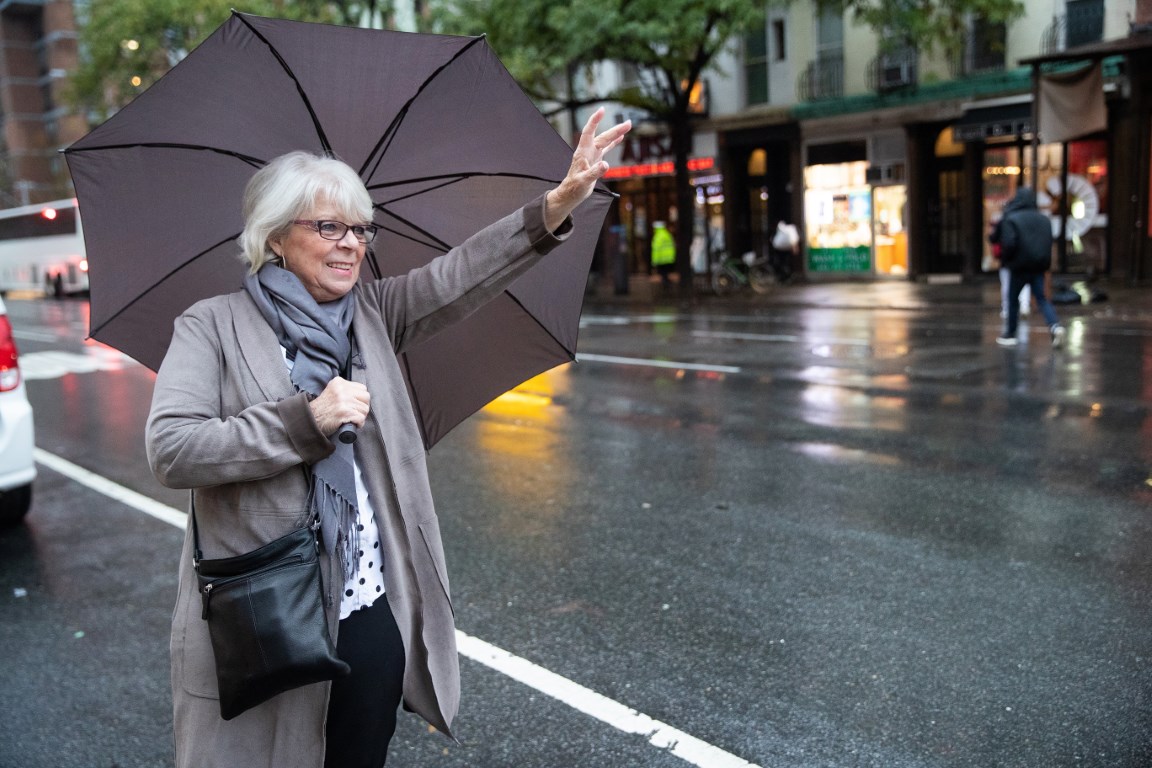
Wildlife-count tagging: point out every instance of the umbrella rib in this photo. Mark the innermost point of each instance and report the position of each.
(389, 134)
(571, 355)
(436, 242)
(93, 330)
(450, 180)
(255, 162)
(299, 88)
(456, 178)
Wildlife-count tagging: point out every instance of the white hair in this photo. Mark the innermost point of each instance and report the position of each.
(291, 186)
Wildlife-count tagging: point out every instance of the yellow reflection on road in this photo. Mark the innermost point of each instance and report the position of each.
(521, 444)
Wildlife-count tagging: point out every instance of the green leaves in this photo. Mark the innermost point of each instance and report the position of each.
(547, 45)
(126, 45)
(925, 24)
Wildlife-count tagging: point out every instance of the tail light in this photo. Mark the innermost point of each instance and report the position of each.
(9, 369)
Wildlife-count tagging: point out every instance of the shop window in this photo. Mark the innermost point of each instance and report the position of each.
(838, 217)
(947, 146)
(1002, 174)
(888, 229)
(1080, 212)
(1076, 199)
(758, 163)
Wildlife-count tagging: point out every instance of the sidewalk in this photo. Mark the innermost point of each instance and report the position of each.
(980, 295)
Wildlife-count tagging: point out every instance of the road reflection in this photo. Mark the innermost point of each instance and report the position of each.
(522, 460)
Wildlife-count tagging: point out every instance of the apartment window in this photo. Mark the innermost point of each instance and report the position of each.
(830, 53)
(756, 65)
(987, 46)
(629, 74)
(830, 34)
(1085, 22)
(779, 41)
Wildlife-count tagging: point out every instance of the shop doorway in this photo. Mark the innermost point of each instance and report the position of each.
(947, 220)
(890, 230)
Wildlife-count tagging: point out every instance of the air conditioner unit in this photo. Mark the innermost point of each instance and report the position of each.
(895, 74)
(884, 174)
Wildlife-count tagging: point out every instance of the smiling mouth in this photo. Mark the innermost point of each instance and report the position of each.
(341, 265)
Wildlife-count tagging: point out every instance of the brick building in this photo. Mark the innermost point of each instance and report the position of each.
(38, 49)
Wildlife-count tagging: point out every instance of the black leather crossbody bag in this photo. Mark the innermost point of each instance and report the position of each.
(265, 614)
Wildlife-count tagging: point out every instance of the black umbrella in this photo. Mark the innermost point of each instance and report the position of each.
(443, 137)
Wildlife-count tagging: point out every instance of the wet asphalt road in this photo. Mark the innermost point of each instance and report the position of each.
(836, 527)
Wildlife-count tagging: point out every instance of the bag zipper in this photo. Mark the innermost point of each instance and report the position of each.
(206, 589)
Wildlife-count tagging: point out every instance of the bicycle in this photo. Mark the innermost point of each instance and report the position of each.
(757, 272)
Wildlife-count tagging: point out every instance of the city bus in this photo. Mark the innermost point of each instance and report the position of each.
(42, 249)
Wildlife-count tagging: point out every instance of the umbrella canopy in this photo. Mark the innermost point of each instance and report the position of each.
(442, 136)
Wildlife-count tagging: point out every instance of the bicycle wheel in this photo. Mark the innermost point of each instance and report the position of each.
(722, 281)
(762, 279)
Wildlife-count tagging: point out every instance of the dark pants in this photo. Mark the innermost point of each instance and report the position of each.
(362, 707)
(1015, 285)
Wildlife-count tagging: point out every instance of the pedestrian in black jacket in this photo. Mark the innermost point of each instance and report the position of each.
(1025, 238)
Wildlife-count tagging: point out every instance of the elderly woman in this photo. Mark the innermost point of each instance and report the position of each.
(246, 411)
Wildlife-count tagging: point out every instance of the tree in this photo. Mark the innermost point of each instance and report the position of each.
(535, 44)
(126, 45)
(670, 44)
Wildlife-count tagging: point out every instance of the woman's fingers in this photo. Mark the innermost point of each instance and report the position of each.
(341, 402)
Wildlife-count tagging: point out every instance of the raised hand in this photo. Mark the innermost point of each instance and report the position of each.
(588, 166)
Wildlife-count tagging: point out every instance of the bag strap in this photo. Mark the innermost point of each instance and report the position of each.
(197, 555)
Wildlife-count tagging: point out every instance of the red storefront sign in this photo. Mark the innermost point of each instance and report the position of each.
(666, 168)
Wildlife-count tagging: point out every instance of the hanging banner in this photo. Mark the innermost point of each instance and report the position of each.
(1072, 104)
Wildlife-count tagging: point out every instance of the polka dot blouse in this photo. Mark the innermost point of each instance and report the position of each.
(367, 583)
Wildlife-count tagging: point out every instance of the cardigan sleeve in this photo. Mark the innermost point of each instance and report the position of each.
(191, 443)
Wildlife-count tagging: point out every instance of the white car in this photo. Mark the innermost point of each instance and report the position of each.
(17, 465)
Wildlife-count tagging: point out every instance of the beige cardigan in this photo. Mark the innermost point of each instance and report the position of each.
(227, 422)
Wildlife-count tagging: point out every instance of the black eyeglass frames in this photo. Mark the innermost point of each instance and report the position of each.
(335, 230)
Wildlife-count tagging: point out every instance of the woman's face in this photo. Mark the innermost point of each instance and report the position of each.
(327, 268)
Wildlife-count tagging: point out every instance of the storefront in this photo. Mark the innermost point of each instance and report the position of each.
(1118, 239)
(761, 168)
(648, 194)
(1072, 191)
(855, 209)
(1072, 186)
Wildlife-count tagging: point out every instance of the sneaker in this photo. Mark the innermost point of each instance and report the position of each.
(1057, 336)
(1006, 341)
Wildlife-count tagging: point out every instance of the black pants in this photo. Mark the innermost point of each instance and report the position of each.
(362, 707)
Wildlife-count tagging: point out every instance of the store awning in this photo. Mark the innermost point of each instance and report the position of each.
(982, 123)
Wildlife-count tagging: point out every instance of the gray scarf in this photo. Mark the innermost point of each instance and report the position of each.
(316, 337)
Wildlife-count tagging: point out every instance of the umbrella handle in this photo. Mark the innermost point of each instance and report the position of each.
(347, 434)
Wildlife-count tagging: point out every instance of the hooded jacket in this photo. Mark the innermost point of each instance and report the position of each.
(1024, 235)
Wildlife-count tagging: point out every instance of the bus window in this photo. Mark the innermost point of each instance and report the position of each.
(61, 222)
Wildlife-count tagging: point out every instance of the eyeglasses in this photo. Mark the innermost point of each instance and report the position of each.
(335, 230)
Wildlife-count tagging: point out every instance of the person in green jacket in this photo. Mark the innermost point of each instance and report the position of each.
(663, 253)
